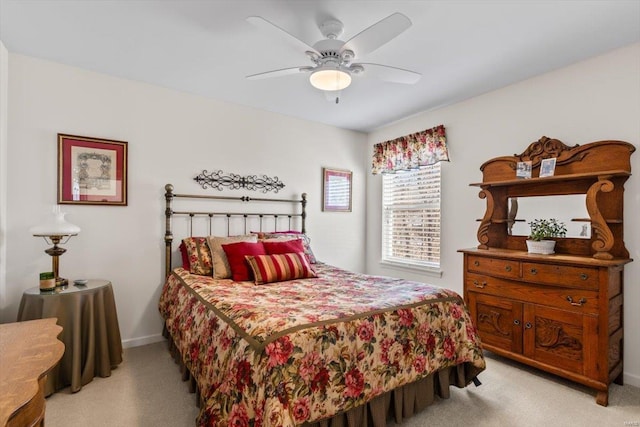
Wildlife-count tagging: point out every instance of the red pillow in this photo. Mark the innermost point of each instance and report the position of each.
(235, 255)
(284, 247)
(185, 257)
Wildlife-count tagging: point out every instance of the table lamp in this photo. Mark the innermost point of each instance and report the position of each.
(55, 230)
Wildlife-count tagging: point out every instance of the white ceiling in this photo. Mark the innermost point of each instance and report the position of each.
(461, 48)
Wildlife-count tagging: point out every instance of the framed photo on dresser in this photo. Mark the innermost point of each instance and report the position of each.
(91, 171)
(547, 167)
(523, 170)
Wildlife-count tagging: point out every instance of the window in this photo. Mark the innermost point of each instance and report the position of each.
(411, 217)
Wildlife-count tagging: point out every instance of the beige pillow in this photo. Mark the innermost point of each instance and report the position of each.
(221, 268)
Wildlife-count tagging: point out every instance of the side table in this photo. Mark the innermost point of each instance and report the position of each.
(90, 331)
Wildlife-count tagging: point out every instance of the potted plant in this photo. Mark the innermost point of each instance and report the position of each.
(541, 231)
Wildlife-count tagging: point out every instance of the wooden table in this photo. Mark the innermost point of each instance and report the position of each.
(91, 333)
(29, 351)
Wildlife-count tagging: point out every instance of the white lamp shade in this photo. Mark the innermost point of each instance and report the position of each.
(330, 79)
(55, 225)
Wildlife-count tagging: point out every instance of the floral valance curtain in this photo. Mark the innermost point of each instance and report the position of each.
(411, 151)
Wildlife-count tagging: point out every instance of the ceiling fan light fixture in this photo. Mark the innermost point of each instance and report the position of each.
(330, 79)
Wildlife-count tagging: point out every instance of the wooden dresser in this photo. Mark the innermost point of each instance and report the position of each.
(29, 350)
(563, 312)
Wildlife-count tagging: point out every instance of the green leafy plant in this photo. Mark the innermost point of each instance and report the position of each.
(544, 228)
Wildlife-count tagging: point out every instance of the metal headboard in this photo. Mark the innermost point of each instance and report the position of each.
(169, 195)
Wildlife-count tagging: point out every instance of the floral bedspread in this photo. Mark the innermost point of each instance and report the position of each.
(286, 353)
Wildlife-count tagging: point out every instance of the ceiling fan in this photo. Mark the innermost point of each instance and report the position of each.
(333, 58)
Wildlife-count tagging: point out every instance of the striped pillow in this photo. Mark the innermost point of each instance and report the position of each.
(279, 267)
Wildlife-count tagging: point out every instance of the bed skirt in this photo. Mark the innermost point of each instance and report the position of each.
(397, 404)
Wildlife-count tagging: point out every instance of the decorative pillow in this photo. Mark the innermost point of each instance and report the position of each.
(279, 267)
(236, 253)
(283, 246)
(185, 256)
(306, 241)
(221, 268)
(261, 234)
(199, 255)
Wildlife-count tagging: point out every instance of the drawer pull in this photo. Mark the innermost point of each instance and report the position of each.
(516, 322)
(528, 325)
(534, 271)
(476, 263)
(479, 285)
(584, 276)
(507, 267)
(580, 303)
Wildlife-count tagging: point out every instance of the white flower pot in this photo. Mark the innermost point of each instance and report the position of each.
(541, 247)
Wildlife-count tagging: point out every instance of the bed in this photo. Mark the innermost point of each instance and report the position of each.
(311, 344)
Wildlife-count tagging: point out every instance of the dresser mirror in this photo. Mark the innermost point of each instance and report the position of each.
(566, 208)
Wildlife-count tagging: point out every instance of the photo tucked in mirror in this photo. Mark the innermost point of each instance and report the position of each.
(565, 208)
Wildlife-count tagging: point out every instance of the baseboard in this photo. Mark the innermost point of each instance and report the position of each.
(137, 342)
(631, 379)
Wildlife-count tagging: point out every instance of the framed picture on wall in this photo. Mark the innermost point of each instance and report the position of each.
(91, 171)
(336, 190)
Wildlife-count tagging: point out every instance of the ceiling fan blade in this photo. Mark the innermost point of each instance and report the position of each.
(390, 74)
(272, 28)
(277, 73)
(378, 34)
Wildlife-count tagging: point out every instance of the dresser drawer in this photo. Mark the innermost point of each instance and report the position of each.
(494, 266)
(561, 275)
(568, 299)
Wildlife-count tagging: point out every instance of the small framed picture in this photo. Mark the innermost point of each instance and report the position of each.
(336, 190)
(547, 167)
(523, 170)
(91, 171)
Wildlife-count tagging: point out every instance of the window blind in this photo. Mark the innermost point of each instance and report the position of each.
(411, 217)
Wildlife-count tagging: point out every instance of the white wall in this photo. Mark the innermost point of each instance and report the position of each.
(172, 137)
(593, 100)
(4, 86)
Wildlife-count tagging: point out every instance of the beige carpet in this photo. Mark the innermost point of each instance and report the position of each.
(146, 390)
